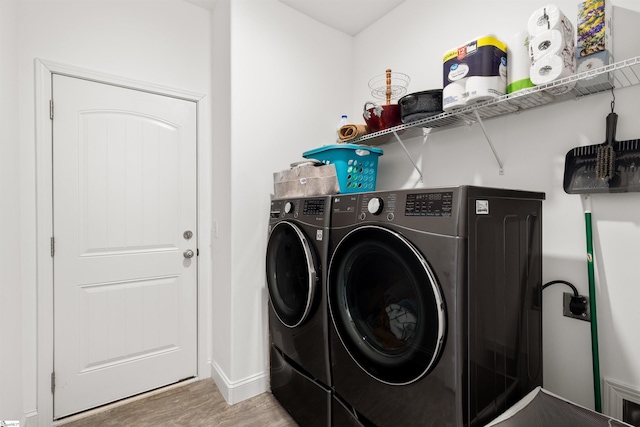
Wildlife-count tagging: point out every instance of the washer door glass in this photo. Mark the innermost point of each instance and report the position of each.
(291, 273)
(386, 305)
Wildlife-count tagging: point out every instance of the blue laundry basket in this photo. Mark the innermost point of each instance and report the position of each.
(356, 165)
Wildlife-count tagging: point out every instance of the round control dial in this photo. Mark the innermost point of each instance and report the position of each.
(288, 207)
(375, 206)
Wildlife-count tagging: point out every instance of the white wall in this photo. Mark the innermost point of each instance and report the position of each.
(11, 345)
(221, 240)
(290, 80)
(165, 43)
(532, 146)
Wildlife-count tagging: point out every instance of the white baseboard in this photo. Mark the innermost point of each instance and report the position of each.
(30, 419)
(613, 396)
(234, 392)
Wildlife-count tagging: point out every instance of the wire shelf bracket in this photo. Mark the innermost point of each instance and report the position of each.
(415, 166)
(493, 149)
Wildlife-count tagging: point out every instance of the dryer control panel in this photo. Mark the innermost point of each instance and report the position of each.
(312, 211)
(381, 205)
(434, 209)
(416, 203)
(429, 204)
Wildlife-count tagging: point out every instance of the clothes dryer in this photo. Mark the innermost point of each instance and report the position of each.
(296, 260)
(435, 303)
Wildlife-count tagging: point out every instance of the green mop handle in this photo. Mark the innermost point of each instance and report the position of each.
(594, 322)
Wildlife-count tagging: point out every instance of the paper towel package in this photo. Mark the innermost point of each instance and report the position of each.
(519, 62)
(556, 43)
(594, 27)
(549, 17)
(550, 42)
(550, 68)
(552, 48)
(474, 72)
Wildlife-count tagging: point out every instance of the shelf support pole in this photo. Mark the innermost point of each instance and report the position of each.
(493, 149)
(415, 166)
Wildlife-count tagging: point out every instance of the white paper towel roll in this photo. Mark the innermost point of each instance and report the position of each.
(454, 95)
(550, 68)
(519, 63)
(480, 88)
(549, 17)
(549, 42)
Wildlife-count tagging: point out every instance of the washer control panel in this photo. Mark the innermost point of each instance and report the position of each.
(381, 205)
(409, 206)
(429, 204)
(313, 207)
(386, 205)
(310, 211)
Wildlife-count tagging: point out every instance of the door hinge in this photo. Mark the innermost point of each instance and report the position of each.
(53, 246)
(53, 382)
(51, 109)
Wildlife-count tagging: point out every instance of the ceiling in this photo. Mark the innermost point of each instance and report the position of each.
(348, 16)
(206, 4)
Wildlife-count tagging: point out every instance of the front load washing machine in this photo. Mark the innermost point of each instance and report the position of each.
(435, 303)
(296, 262)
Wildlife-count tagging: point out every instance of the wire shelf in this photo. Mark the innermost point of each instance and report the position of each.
(618, 75)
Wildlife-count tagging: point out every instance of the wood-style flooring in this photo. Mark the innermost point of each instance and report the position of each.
(192, 405)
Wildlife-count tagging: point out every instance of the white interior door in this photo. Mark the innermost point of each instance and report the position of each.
(124, 195)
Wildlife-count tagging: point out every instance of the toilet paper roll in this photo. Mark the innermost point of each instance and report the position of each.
(549, 42)
(481, 88)
(549, 17)
(550, 68)
(454, 95)
(519, 63)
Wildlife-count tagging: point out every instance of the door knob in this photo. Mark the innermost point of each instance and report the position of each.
(188, 253)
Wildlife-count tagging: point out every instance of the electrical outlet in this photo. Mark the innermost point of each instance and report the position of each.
(583, 301)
